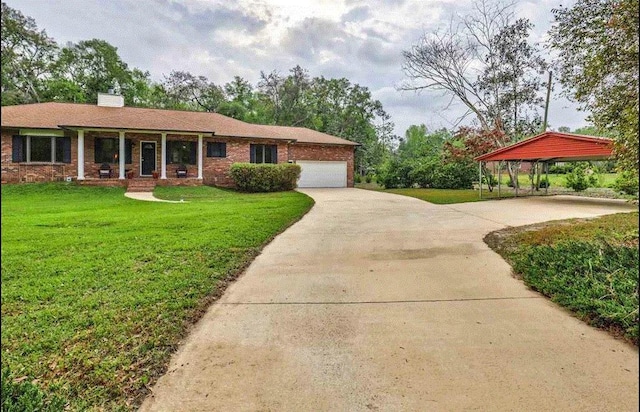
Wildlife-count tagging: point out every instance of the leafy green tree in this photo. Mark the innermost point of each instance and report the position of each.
(512, 79)
(333, 106)
(95, 67)
(189, 92)
(581, 178)
(418, 142)
(598, 64)
(287, 97)
(27, 56)
(243, 102)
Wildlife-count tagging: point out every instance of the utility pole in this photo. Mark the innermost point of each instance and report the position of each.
(544, 129)
(546, 106)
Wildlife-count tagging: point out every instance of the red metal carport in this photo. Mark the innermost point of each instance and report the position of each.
(551, 147)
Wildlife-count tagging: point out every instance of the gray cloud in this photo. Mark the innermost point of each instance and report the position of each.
(314, 35)
(359, 13)
(214, 18)
(361, 41)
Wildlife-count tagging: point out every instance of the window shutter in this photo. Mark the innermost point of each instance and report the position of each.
(17, 154)
(97, 152)
(193, 153)
(209, 149)
(252, 154)
(168, 155)
(274, 154)
(128, 149)
(66, 149)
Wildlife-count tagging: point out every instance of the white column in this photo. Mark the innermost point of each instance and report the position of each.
(121, 156)
(163, 157)
(80, 154)
(199, 156)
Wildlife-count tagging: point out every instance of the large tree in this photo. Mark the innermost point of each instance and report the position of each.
(598, 64)
(95, 67)
(287, 96)
(487, 63)
(333, 106)
(27, 56)
(191, 92)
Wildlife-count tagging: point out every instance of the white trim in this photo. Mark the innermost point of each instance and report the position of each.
(155, 154)
(42, 132)
(80, 154)
(163, 156)
(121, 156)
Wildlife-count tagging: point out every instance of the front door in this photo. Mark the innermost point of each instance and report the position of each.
(147, 158)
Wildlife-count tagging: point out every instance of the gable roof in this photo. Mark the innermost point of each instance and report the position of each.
(54, 115)
(554, 146)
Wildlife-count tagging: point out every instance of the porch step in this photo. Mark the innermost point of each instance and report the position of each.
(141, 185)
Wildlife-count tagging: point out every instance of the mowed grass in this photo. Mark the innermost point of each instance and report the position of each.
(588, 266)
(559, 180)
(448, 196)
(98, 289)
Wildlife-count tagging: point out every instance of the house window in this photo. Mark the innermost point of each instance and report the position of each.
(216, 149)
(180, 152)
(263, 153)
(47, 149)
(107, 150)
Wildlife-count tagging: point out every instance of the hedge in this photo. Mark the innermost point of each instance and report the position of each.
(252, 177)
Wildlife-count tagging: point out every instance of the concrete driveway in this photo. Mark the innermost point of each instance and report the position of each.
(380, 302)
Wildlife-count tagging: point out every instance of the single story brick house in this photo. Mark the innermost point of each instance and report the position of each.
(68, 141)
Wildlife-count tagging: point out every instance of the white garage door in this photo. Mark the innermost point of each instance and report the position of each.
(322, 174)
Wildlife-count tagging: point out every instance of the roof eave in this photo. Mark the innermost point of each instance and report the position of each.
(135, 129)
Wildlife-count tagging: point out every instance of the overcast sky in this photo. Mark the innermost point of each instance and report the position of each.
(361, 40)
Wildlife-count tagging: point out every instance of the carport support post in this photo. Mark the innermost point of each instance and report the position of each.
(480, 173)
(499, 170)
(546, 172)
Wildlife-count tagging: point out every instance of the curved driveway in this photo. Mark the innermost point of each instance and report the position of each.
(380, 302)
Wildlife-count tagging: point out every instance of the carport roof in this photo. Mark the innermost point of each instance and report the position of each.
(553, 146)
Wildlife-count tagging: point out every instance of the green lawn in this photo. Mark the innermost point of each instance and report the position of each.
(97, 289)
(588, 266)
(559, 180)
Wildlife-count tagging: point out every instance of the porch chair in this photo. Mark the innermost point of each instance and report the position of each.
(105, 171)
(181, 171)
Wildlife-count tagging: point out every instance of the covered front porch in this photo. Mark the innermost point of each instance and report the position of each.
(109, 156)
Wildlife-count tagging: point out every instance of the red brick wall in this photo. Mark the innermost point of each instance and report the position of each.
(325, 152)
(215, 170)
(35, 172)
